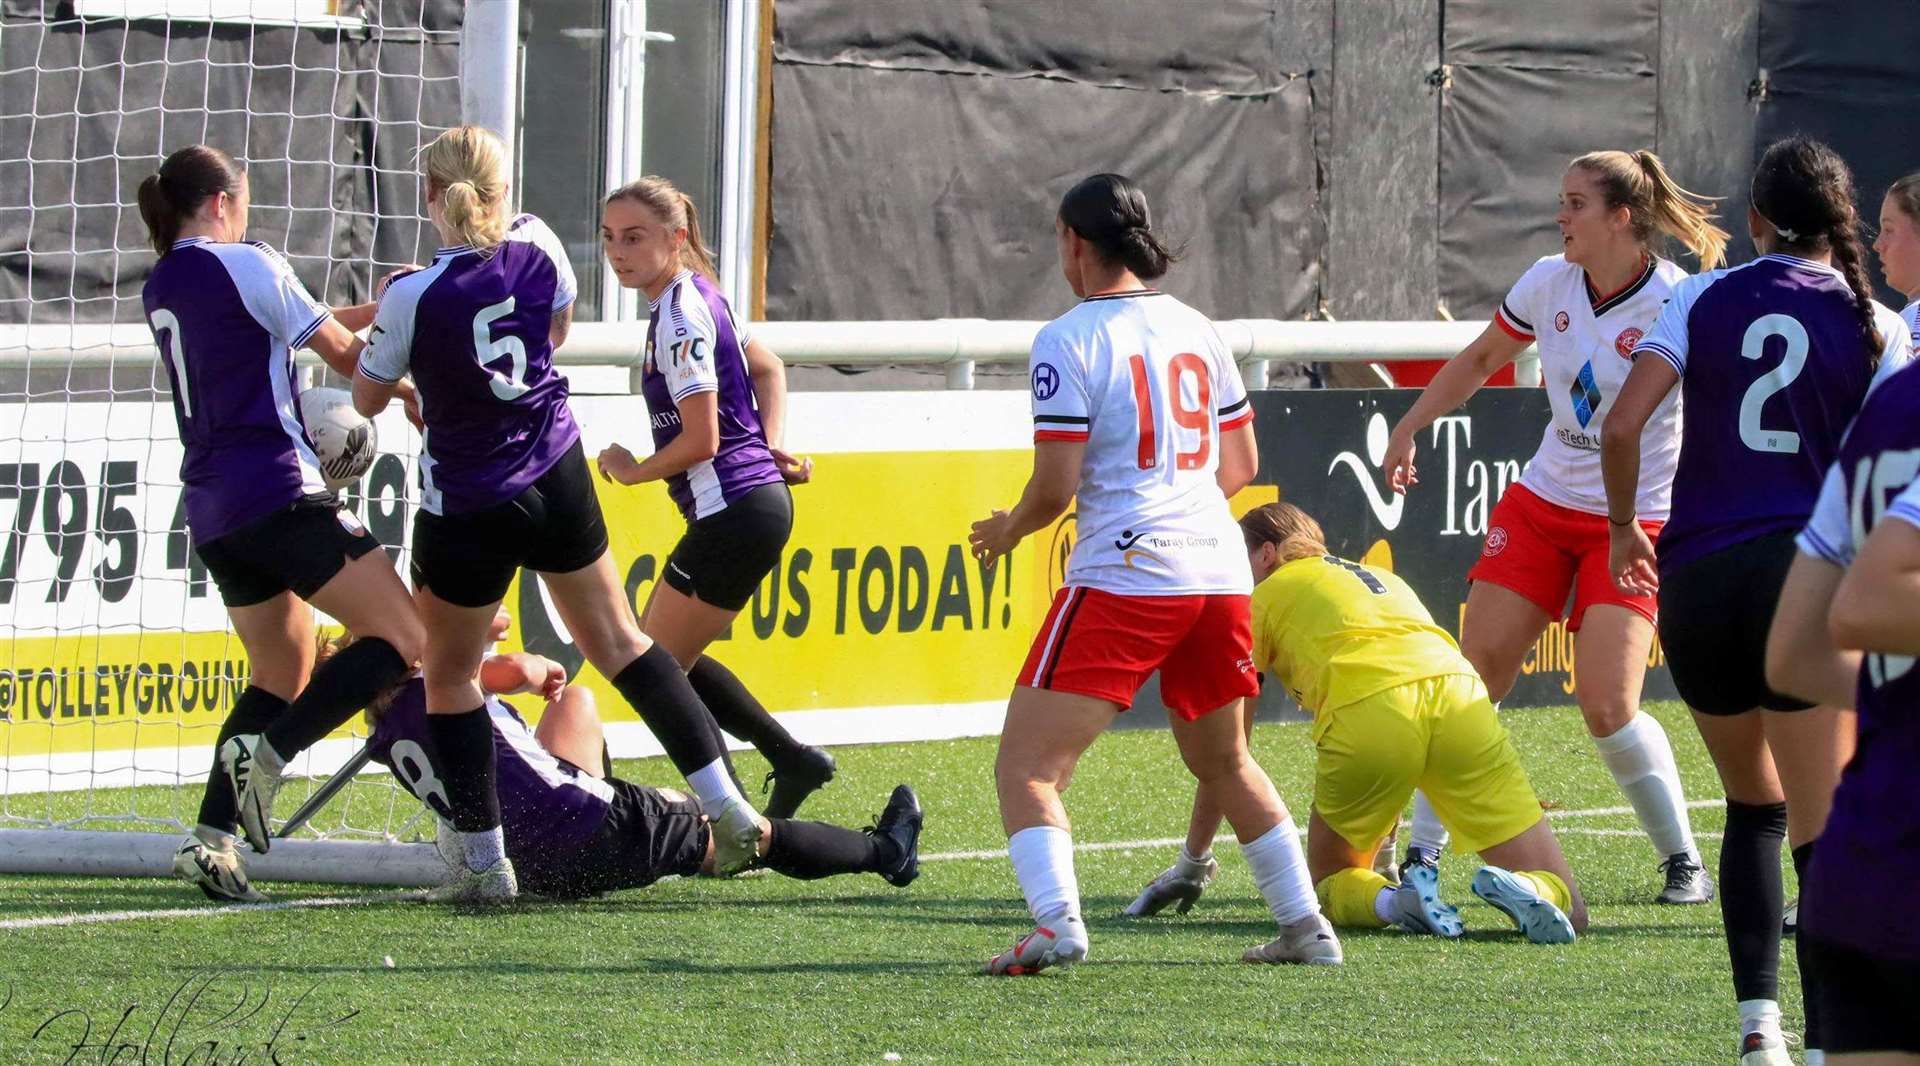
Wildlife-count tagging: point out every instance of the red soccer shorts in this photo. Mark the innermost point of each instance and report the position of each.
(1542, 551)
(1104, 645)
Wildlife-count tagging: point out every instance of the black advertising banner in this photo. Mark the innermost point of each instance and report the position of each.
(1323, 449)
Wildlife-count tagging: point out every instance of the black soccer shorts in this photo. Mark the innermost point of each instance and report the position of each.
(1714, 617)
(723, 557)
(298, 549)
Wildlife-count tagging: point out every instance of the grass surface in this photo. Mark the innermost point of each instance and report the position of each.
(851, 969)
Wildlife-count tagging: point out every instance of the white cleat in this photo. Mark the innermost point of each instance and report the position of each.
(1416, 904)
(1532, 914)
(737, 830)
(447, 846)
(495, 884)
(1309, 942)
(1178, 885)
(1760, 1049)
(1056, 942)
(253, 788)
(218, 871)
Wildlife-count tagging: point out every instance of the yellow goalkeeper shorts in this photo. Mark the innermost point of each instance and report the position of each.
(1440, 735)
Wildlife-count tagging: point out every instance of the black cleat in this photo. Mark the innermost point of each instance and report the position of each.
(901, 823)
(1687, 881)
(795, 777)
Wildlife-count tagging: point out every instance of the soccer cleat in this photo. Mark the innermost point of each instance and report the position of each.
(253, 788)
(1062, 941)
(1417, 907)
(447, 846)
(1175, 885)
(1532, 914)
(218, 871)
(737, 831)
(901, 823)
(1687, 881)
(797, 776)
(1764, 1049)
(495, 884)
(1790, 919)
(1310, 941)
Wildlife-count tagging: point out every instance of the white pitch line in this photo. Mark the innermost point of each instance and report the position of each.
(1227, 838)
(205, 912)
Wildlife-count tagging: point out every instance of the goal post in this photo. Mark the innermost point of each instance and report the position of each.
(117, 663)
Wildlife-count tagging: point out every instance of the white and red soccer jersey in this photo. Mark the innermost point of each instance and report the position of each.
(1586, 341)
(1147, 383)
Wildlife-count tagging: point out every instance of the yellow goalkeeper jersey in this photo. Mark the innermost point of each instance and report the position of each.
(1335, 632)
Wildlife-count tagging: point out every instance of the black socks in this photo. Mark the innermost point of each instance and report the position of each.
(810, 850)
(253, 712)
(660, 694)
(463, 753)
(736, 710)
(1751, 896)
(344, 684)
(1813, 1031)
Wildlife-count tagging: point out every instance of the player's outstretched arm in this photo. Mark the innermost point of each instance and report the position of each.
(1873, 609)
(1056, 477)
(521, 672)
(1452, 386)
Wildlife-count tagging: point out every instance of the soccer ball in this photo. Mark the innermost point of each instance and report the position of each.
(344, 442)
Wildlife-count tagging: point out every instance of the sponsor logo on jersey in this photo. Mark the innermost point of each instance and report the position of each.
(1496, 541)
(666, 419)
(1586, 442)
(1561, 322)
(1046, 381)
(1626, 340)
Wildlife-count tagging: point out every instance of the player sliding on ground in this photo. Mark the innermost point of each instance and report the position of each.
(1138, 410)
(573, 829)
(1395, 706)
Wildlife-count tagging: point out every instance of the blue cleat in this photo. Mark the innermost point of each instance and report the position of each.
(1416, 903)
(1537, 917)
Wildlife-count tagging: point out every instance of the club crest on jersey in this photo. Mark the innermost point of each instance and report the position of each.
(1496, 541)
(1046, 381)
(1626, 340)
(1561, 322)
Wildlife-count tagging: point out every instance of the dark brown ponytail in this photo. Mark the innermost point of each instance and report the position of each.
(184, 182)
(1110, 212)
(1805, 191)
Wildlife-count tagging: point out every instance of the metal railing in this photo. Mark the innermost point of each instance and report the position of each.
(956, 344)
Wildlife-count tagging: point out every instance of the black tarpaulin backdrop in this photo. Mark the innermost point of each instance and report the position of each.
(88, 108)
(1372, 158)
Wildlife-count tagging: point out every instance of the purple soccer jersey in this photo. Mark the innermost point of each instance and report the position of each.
(1772, 368)
(548, 809)
(693, 346)
(226, 318)
(1870, 850)
(473, 329)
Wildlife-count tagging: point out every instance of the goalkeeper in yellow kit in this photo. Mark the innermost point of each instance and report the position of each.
(1396, 707)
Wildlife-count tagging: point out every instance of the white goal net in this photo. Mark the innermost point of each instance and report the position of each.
(117, 665)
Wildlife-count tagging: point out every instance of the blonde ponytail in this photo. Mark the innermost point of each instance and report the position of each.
(467, 165)
(1639, 182)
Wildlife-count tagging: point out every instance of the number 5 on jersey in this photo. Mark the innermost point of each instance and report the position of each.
(1199, 419)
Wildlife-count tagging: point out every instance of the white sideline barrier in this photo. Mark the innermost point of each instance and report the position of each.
(93, 853)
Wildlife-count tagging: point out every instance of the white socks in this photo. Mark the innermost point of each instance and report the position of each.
(1642, 764)
(1192, 865)
(1280, 872)
(483, 849)
(1043, 861)
(1427, 834)
(714, 786)
(1759, 1016)
(1383, 904)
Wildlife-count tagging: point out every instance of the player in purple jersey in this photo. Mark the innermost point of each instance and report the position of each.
(505, 485)
(1852, 589)
(226, 315)
(718, 403)
(574, 829)
(1774, 359)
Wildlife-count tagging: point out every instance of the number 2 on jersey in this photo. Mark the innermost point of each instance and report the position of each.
(1199, 418)
(1788, 329)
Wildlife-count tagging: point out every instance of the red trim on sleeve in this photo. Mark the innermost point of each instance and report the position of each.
(1238, 420)
(1501, 321)
(1060, 434)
